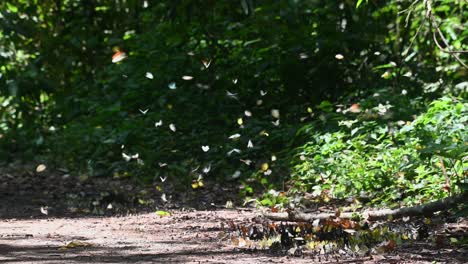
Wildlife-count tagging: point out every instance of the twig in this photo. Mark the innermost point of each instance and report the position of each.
(444, 40)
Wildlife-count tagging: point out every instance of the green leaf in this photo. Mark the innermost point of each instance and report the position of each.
(163, 213)
(359, 2)
(12, 8)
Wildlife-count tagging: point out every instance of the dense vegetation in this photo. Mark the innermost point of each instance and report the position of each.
(281, 97)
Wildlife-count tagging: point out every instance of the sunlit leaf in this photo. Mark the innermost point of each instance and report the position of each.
(240, 121)
(162, 213)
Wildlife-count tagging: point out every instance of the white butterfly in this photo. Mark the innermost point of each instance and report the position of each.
(236, 174)
(276, 123)
(206, 63)
(247, 162)
(247, 113)
(234, 81)
(232, 151)
(163, 179)
(207, 169)
(275, 113)
(250, 144)
(194, 170)
(149, 75)
(172, 127)
(158, 124)
(267, 172)
(235, 136)
(144, 111)
(129, 157)
(172, 86)
(163, 197)
(259, 102)
(263, 93)
(273, 158)
(187, 77)
(162, 164)
(45, 210)
(205, 148)
(231, 95)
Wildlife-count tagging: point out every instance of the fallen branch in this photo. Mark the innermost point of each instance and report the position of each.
(372, 215)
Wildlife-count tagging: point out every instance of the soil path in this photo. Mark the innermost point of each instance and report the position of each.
(80, 228)
(184, 237)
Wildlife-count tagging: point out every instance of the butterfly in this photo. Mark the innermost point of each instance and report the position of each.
(247, 162)
(149, 75)
(236, 174)
(232, 151)
(143, 111)
(234, 81)
(172, 86)
(162, 164)
(355, 108)
(235, 136)
(172, 127)
(187, 77)
(205, 148)
(231, 95)
(163, 179)
(240, 121)
(275, 113)
(247, 113)
(276, 123)
(163, 197)
(127, 157)
(118, 56)
(206, 63)
(207, 169)
(250, 144)
(263, 93)
(158, 124)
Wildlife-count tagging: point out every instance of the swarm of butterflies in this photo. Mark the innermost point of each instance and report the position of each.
(321, 237)
(265, 167)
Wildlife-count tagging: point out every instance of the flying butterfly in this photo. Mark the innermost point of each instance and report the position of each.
(118, 56)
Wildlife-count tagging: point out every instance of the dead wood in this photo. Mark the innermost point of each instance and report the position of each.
(375, 214)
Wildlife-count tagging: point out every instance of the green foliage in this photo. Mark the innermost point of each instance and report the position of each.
(388, 163)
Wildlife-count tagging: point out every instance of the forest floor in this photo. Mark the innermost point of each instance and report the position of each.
(50, 217)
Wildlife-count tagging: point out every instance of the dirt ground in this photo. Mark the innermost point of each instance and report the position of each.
(79, 227)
